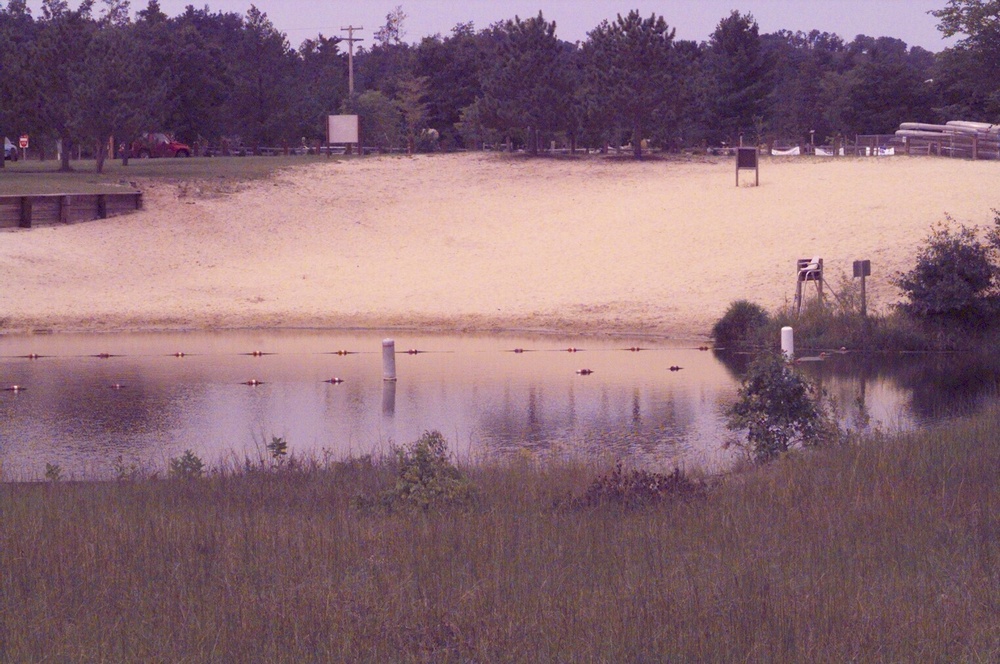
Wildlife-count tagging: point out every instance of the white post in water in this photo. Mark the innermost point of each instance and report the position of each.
(788, 343)
(388, 359)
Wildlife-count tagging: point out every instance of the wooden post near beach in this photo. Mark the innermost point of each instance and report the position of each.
(863, 269)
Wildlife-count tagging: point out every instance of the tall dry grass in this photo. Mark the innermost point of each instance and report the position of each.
(884, 551)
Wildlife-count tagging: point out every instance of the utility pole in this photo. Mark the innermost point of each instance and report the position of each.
(350, 55)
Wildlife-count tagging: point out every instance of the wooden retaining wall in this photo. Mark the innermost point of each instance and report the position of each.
(54, 209)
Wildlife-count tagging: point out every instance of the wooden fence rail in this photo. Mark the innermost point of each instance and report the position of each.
(52, 209)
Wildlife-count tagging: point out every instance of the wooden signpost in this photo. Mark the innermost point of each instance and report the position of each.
(746, 158)
(863, 269)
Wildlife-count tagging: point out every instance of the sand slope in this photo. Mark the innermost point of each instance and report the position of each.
(486, 242)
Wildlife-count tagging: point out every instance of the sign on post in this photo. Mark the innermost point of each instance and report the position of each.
(23, 142)
(746, 158)
(343, 129)
(863, 269)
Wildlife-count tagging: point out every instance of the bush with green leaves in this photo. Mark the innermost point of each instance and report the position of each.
(741, 326)
(187, 466)
(53, 472)
(633, 489)
(955, 275)
(426, 477)
(778, 408)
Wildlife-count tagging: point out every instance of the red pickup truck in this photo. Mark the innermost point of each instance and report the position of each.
(158, 145)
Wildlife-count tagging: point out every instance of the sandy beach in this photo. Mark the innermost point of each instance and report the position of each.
(486, 242)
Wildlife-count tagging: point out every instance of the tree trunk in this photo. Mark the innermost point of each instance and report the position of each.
(64, 166)
(102, 153)
(637, 141)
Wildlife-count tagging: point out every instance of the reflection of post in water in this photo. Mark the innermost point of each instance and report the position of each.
(388, 398)
(636, 410)
(864, 417)
(534, 425)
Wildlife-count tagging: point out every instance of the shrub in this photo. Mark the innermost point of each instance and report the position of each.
(53, 472)
(741, 325)
(638, 488)
(778, 408)
(426, 477)
(278, 447)
(954, 275)
(188, 466)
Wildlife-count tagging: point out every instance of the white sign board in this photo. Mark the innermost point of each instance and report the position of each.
(342, 129)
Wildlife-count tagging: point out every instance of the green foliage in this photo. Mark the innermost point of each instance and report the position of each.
(739, 77)
(741, 326)
(188, 466)
(53, 472)
(124, 471)
(634, 75)
(381, 120)
(954, 275)
(427, 478)
(778, 408)
(531, 81)
(833, 328)
(278, 447)
(634, 489)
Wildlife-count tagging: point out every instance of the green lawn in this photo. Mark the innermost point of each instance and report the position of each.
(43, 177)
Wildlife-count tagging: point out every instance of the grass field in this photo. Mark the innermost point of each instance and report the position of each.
(887, 550)
(43, 177)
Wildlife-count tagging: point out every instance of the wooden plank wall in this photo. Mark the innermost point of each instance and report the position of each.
(54, 209)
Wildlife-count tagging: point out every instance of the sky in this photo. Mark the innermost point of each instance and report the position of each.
(694, 19)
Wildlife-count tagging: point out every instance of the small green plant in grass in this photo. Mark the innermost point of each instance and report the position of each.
(278, 447)
(741, 326)
(778, 408)
(124, 471)
(426, 477)
(187, 466)
(634, 489)
(53, 472)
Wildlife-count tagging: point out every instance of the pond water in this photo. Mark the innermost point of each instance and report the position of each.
(85, 400)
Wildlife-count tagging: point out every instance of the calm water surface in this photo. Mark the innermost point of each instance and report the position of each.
(81, 410)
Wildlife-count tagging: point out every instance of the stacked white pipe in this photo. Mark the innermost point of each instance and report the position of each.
(958, 138)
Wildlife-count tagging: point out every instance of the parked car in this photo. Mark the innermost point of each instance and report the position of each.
(9, 150)
(158, 145)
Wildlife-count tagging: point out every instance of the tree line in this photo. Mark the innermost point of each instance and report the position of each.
(80, 75)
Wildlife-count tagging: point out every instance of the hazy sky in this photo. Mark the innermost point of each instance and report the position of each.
(694, 19)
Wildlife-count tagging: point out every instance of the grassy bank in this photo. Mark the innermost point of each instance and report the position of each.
(43, 177)
(885, 551)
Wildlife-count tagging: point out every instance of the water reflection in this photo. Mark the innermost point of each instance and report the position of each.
(190, 391)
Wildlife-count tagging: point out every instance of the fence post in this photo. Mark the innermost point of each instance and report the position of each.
(25, 212)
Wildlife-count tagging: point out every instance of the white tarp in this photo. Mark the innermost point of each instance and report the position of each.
(791, 152)
(823, 152)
